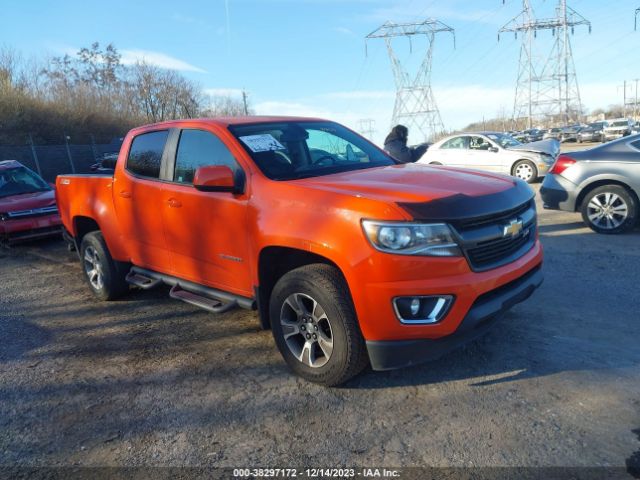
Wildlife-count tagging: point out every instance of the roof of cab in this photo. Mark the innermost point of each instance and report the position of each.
(228, 121)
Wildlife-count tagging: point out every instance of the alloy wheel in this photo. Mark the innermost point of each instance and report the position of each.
(306, 330)
(607, 210)
(93, 268)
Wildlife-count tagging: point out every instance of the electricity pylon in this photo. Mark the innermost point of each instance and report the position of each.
(415, 106)
(367, 127)
(546, 91)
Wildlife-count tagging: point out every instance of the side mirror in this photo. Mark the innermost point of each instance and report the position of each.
(216, 178)
(493, 149)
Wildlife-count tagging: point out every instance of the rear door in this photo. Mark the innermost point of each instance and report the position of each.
(137, 197)
(206, 232)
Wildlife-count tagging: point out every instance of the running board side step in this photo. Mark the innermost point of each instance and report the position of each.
(142, 281)
(210, 299)
(210, 304)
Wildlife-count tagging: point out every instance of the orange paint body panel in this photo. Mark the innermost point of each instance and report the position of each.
(215, 238)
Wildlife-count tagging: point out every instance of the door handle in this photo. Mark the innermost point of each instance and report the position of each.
(125, 194)
(174, 203)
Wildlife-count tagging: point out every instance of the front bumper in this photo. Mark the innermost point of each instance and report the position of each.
(30, 228)
(388, 355)
(558, 193)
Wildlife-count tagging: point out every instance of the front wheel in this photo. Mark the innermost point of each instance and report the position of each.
(610, 209)
(525, 170)
(105, 276)
(315, 327)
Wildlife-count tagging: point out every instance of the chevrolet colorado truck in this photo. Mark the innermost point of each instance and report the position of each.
(349, 257)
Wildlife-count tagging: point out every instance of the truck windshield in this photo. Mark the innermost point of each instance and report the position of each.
(19, 180)
(292, 150)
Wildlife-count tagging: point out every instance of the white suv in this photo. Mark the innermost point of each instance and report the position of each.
(619, 127)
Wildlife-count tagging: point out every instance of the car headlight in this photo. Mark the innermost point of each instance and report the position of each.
(431, 239)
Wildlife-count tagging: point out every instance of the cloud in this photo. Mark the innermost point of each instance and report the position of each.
(360, 95)
(158, 59)
(344, 31)
(223, 92)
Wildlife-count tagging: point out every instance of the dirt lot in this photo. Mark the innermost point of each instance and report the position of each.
(151, 381)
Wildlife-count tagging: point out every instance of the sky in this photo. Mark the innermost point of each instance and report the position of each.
(309, 57)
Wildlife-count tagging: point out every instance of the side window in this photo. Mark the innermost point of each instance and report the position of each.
(456, 142)
(479, 143)
(145, 155)
(198, 148)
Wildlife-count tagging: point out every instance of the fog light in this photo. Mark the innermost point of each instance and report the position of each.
(423, 309)
(415, 306)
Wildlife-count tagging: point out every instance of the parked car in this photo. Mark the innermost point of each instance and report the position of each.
(620, 127)
(106, 164)
(27, 204)
(570, 134)
(528, 136)
(589, 134)
(495, 152)
(554, 133)
(348, 256)
(603, 183)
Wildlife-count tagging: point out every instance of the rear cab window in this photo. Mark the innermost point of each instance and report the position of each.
(145, 154)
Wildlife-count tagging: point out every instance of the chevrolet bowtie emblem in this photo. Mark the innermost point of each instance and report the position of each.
(513, 229)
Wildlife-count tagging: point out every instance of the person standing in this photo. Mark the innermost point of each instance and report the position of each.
(396, 145)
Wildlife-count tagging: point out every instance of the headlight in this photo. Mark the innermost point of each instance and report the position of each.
(432, 239)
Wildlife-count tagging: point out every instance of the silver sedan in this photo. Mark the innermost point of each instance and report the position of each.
(603, 183)
(495, 152)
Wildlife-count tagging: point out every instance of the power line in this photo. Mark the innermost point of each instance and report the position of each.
(415, 105)
(548, 91)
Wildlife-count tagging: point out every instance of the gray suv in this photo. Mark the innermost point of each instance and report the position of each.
(603, 183)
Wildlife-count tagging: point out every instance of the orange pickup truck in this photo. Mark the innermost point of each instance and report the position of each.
(349, 257)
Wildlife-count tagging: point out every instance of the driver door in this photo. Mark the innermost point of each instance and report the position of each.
(206, 232)
(482, 154)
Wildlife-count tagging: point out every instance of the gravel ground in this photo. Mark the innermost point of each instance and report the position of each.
(151, 381)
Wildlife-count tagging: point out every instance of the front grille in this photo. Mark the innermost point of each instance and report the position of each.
(462, 225)
(492, 251)
(487, 245)
(35, 212)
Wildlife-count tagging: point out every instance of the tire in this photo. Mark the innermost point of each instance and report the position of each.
(315, 327)
(610, 209)
(525, 170)
(104, 275)
(435, 163)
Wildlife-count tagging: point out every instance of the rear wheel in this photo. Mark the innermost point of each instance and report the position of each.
(315, 327)
(525, 170)
(610, 209)
(105, 276)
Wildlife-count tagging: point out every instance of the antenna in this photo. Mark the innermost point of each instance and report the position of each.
(415, 105)
(548, 91)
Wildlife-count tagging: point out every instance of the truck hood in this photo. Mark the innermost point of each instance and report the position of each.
(550, 146)
(429, 192)
(27, 201)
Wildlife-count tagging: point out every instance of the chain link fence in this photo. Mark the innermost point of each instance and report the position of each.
(53, 160)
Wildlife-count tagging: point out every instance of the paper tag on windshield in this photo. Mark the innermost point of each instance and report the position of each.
(262, 143)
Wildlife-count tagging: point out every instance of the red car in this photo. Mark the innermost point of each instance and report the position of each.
(28, 207)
